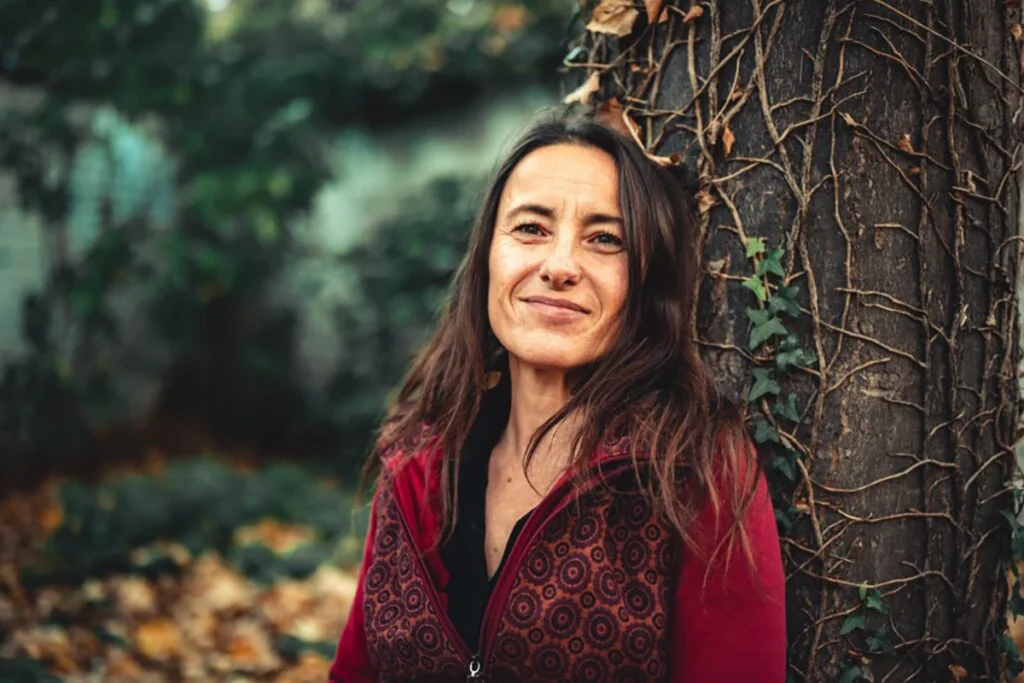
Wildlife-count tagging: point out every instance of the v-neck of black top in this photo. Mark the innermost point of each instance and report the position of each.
(469, 588)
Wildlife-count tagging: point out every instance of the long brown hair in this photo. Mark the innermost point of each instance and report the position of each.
(650, 385)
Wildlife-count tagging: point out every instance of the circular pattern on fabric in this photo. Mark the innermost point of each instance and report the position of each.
(620, 534)
(585, 530)
(524, 608)
(405, 651)
(597, 554)
(651, 576)
(601, 628)
(652, 532)
(563, 617)
(525, 672)
(587, 600)
(452, 670)
(562, 549)
(512, 647)
(635, 555)
(637, 512)
(639, 641)
(387, 540)
(666, 558)
(550, 661)
(549, 592)
(539, 566)
(606, 585)
(653, 667)
(405, 565)
(388, 615)
(428, 638)
(615, 657)
(574, 574)
(658, 621)
(376, 578)
(414, 599)
(384, 596)
(589, 669)
(557, 527)
(639, 599)
(536, 636)
(575, 645)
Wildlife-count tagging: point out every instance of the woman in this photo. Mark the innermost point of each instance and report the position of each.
(563, 493)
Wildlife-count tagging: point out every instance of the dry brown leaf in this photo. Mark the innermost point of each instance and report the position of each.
(695, 12)
(705, 201)
(1016, 32)
(727, 140)
(158, 639)
(284, 603)
(904, 144)
(959, 673)
(217, 587)
(583, 93)
(610, 114)
(310, 668)
(657, 12)
(613, 16)
(121, 666)
(134, 596)
(509, 18)
(249, 647)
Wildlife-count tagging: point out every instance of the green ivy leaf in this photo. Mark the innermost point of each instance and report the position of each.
(874, 601)
(772, 263)
(1013, 664)
(763, 432)
(769, 328)
(851, 674)
(784, 360)
(878, 641)
(784, 301)
(853, 622)
(763, 384)
(785, 465)
(757, 287)
(755, 246)
(787, 408)
(862, 590)
(758, 316)
(783, 518)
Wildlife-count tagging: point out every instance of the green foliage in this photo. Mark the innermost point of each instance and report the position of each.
(24, 670)
(402, 276)
(198, 503)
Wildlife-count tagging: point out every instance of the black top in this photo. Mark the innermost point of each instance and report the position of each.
(469, 587)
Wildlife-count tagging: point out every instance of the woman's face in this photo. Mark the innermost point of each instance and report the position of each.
(558, 268)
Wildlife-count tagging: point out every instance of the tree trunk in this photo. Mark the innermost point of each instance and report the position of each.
(873, 146)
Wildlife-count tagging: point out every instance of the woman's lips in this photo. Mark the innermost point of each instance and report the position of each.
(559, 309)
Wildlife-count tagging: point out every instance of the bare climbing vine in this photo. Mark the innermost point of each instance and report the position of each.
(856, 165)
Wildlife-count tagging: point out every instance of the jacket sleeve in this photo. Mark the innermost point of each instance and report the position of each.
(729, 624)
(352, 660)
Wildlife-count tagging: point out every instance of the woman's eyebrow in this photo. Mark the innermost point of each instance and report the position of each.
(546, 212)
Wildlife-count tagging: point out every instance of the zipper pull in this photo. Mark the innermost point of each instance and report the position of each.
(475, 667)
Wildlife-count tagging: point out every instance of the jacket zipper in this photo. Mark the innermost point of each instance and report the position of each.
(476, 661)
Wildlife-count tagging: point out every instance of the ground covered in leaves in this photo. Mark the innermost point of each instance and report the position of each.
(195, 572)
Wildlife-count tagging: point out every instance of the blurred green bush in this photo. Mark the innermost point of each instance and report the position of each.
(232, 107)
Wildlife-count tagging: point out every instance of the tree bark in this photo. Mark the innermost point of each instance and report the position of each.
(877, 143)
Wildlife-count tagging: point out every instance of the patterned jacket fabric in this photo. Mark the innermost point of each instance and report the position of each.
(596, 588)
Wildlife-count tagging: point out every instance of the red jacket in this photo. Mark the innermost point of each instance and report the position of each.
(594, 589)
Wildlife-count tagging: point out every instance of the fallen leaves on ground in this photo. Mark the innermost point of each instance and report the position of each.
(199, 618)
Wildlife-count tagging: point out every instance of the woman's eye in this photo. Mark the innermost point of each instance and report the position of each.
(608, 239)
(528, 229)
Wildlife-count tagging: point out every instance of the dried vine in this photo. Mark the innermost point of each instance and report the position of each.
(857, 168)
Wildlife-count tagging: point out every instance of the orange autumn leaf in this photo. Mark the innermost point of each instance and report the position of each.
(728, 138)
(694, 13)
(509, 18)
(904, 144)
(1016, 32)
(657, 13)
(615, 17)
(583, 93)
(158, 639)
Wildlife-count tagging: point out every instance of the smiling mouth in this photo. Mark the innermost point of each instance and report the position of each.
(556, 303)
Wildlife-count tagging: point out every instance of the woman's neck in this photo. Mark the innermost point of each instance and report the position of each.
(536, 395)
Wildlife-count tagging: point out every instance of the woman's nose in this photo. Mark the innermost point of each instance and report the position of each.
(560, 268)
